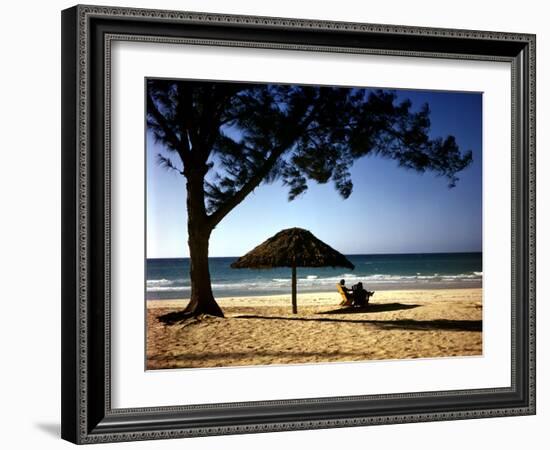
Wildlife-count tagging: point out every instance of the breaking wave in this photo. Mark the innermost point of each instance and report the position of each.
(314, 282)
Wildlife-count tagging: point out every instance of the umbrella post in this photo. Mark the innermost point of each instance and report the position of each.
(294, 302)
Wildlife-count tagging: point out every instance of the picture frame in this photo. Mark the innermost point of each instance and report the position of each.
(87, 413)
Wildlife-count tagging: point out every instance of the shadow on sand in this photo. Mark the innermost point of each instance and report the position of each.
(373, 307)
(399, 324)
(256, 353)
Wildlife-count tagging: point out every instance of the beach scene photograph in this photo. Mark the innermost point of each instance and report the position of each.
(300, 224)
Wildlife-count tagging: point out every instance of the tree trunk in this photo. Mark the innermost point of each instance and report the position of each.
(199, 230)
(202, 300)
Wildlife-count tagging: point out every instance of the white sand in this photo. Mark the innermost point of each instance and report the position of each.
(263, 330)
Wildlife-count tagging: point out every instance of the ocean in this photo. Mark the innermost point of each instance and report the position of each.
(168, 278)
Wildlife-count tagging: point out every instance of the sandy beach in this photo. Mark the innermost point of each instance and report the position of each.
(262, 330)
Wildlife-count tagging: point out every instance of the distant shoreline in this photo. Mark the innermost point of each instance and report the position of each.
(476, 252)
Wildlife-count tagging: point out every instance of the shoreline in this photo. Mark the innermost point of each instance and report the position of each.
(261, 330)
(307, 298)
(377, 287)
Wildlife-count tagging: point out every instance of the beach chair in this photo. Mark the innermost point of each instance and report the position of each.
(361, 298)
(346, 298)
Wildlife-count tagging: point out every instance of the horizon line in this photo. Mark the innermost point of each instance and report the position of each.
(345, 254)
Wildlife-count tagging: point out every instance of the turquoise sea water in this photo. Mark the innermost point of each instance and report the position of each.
(169, 278)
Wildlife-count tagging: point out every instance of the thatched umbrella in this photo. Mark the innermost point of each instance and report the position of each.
(294, 247)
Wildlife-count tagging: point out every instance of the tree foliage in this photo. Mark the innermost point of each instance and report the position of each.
(235, 136)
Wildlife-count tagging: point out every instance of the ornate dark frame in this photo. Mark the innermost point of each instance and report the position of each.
(87, 33)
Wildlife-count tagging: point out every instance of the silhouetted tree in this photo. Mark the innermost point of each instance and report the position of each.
(228, 138)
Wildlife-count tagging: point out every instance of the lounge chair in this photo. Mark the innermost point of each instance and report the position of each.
(347, 299)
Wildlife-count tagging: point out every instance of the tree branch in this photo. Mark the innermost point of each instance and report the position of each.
(246, 189)
(167, 163)
(181, 146)
(209, 125)
(258, 177)
(189, 119)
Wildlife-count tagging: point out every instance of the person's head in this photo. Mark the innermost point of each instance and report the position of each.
(360, 285)
(342, 282)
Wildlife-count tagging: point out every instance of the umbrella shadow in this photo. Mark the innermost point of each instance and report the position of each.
(373, 307)
(402, 324)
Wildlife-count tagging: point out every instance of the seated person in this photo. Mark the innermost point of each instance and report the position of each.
(360, 295)
(347, 292)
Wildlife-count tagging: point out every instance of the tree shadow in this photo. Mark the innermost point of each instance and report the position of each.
(174, 317)
(430, 325)
(256, 353)
(403, 324)
(374, 307)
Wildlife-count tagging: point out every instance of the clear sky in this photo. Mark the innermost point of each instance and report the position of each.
(391, 209)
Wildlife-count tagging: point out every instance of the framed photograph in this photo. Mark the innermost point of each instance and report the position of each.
(281, 224)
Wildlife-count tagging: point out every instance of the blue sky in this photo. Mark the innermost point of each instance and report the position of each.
(391, 210)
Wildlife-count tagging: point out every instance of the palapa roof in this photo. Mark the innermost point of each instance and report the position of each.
(292, 247)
